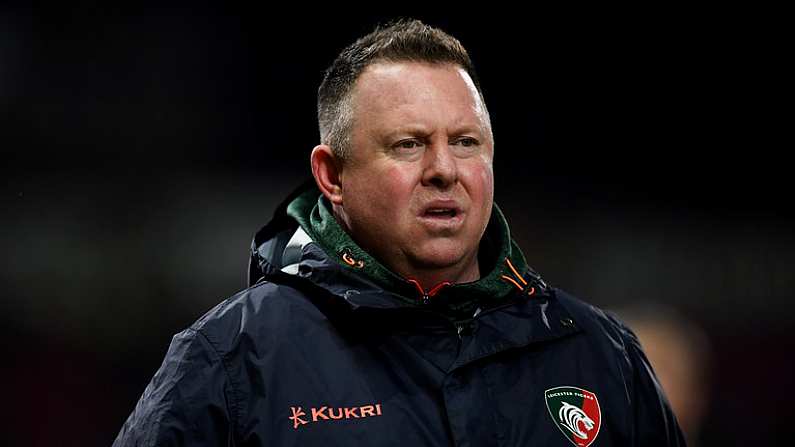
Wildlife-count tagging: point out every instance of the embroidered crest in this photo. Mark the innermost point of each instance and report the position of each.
(576, 412)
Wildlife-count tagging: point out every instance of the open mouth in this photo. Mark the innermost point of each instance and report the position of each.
(441, 212)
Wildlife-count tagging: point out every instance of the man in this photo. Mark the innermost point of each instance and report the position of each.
(388, 304)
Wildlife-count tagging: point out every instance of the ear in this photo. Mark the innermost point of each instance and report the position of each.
(327, 170)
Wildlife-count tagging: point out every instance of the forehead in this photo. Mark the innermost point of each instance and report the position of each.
(393, 93)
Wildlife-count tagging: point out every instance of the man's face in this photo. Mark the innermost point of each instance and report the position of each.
(418, 186)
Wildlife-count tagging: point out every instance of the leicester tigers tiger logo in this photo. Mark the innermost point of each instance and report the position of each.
(571, 417)
(576, 413)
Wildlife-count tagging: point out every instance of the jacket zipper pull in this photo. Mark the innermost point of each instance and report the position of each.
(426, 300)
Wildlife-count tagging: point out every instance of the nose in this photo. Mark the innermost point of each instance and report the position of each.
(440, 169)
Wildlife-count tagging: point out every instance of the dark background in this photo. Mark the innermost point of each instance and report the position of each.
(640, 157)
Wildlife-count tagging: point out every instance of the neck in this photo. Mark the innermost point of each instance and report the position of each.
(468, 271)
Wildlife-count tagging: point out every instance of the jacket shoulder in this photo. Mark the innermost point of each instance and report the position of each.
(587, 315)
(173, 408)
(260, 312)
(601, 326)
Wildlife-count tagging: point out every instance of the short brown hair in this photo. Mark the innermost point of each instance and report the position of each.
(404, 40)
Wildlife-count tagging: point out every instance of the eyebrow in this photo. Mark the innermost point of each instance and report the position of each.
(420, 130)
(406, 130)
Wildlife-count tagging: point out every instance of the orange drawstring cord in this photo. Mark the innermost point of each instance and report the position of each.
(513, 269)
(417, 285)
(508, 278)
(431, 293)
(532, 290)
(438, 287)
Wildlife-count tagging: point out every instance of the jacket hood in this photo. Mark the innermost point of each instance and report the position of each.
(291, 244)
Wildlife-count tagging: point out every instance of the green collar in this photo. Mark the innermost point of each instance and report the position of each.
(498, 253)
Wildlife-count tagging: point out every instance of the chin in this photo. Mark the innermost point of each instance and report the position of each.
(441, 255)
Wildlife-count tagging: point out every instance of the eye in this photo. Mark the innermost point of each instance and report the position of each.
(467, 142)
(407, 144)
(407, 148)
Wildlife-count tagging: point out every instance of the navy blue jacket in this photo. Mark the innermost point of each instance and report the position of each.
(322, 356)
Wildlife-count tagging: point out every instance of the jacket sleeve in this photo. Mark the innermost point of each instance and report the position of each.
(186, 403)
(655, 422)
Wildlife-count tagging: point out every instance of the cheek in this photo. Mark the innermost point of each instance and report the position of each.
(396, 184)
(383, 192)
(481, 192)
(480, 179)
(487, 194)
(487, 177)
